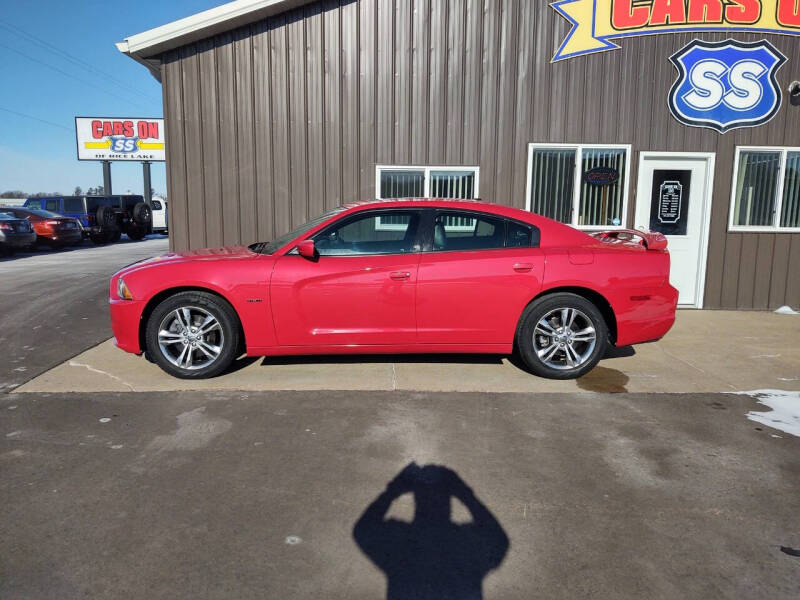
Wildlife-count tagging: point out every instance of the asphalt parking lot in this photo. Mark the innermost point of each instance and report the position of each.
(240, 493)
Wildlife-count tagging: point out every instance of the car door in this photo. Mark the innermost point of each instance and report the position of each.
(480, 273)
(361, 289)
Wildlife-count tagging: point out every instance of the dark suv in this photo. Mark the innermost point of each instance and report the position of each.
(104, 218)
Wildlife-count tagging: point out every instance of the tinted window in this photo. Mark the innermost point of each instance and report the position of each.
(519, 235)
(73, 205)
(156, 204)
(386, 232)
(92, 202)
(33, 203)
(467, 231)
(51, 204)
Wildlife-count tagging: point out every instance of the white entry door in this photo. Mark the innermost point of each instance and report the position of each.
(674, 197)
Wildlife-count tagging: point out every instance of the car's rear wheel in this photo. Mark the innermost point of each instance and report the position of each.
(193, 335)
(562, 336)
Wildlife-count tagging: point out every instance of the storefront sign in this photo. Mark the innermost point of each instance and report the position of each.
(669, 203)
(596, 23)
(726, 85)
(104, 138)
(601, 176)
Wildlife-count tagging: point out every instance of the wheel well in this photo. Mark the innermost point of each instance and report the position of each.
(163, 295)
(595, 298)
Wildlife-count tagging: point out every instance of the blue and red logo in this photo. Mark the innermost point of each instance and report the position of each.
(726, 85)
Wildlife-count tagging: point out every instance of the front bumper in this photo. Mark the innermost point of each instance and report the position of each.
(126, 316)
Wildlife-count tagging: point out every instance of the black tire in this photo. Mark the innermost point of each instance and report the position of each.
(142, 214)
(106, 218)
(136, 234)
(228, 341)
(587, 315)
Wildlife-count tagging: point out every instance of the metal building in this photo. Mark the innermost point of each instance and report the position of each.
(277, 110)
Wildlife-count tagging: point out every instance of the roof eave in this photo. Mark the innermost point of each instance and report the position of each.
(147, 47)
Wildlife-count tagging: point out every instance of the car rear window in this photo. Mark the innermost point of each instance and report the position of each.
(519, 235)
(156, 204)
(44, 213)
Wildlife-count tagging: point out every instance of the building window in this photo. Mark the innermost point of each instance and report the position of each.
(766, 190)
(426, 182)
(559, 188)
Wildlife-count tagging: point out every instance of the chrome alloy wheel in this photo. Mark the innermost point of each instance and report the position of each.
(190, 337)
(564, 338)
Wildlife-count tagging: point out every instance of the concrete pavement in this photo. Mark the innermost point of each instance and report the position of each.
(706, 351)
(55, 304)
(256, 495)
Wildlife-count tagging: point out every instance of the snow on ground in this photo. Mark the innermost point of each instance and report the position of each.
(787, 310)
(785, 413)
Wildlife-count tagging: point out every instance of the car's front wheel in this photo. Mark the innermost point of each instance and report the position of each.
(562, 336)
(193, 335)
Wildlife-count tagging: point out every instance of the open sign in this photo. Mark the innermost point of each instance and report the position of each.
(601, 176)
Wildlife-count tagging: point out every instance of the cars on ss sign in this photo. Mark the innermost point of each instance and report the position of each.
(401, 276)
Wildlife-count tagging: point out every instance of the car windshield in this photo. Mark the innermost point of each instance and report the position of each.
(271, 247)
(43, 213)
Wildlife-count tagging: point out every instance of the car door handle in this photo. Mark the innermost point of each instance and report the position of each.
(400, 275)
(523, 267)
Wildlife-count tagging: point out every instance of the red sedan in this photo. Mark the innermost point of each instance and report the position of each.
(402, 276)
(51, 228)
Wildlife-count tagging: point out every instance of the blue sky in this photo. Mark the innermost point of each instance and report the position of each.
(37, 151)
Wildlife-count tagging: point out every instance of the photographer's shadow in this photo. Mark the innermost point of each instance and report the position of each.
(431, 556)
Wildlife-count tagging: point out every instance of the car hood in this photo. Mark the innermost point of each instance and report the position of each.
(204, 254)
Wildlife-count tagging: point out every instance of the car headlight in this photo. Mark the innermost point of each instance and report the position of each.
(122, 290)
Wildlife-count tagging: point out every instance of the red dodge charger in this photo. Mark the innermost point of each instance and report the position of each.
(402, 276)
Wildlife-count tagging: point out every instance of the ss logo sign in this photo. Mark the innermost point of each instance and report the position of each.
(123, 144)
(725, 85)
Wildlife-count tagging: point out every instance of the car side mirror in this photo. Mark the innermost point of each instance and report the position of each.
(308, 250)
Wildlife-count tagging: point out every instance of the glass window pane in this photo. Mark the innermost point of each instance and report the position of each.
(73, 205)
(790, 211)
(453, 184)
(402, 184)
(756, 188)
(552, 183)
(392, 232)
(602, 204)
(518, 235)
(467, 231)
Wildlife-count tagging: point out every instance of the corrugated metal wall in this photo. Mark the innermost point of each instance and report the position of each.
(273, 123)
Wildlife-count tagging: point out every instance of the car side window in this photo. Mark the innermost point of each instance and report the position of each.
(73, 205)
(51, 205)
(156, 204)
(453, 231)
(520, 235)
(384, 232)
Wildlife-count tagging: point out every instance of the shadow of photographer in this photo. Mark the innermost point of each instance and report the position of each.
(431, 556)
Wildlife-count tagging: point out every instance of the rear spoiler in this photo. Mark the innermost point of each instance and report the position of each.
(651, 240)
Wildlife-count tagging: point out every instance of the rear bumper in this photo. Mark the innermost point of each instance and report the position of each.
(649, 317)
(63, 237)
(125, 318)
(18, 240)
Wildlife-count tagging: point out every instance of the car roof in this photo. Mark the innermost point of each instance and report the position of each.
(449, 203)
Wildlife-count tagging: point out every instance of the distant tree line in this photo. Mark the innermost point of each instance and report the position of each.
(78, 191)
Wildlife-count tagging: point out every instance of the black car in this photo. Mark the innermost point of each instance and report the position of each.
(15, 233)
(104, 218)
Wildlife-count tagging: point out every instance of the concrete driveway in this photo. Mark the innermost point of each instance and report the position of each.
(706, 351)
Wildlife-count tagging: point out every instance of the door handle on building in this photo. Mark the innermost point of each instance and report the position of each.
(400, 275)
(523, 267)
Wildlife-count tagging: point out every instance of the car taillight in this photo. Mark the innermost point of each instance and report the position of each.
(51, 222)
(6, 227)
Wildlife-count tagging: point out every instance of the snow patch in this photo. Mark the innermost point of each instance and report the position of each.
(785, 413)
(786, 310)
